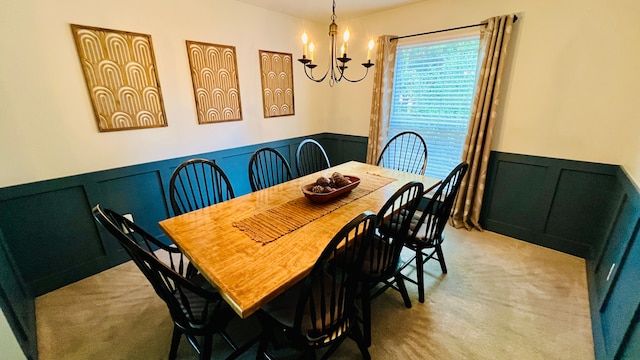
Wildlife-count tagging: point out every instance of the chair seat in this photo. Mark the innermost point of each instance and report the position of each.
(283, 310)
(203, 308)
(421, 238)
(373, 264)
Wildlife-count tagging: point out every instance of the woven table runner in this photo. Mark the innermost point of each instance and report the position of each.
(271, 224)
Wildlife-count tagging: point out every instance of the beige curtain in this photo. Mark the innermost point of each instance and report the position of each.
(494, 39)
(381, 97)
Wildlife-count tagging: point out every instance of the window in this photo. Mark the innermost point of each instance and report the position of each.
(433, 93)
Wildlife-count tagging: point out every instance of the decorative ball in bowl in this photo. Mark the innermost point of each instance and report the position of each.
(328, 188)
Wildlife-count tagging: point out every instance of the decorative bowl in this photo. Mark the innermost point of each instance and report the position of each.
(338, 192)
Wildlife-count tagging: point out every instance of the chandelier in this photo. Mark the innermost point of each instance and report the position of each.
(337, 65)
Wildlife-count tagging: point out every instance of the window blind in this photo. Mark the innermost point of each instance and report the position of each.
(433, 93)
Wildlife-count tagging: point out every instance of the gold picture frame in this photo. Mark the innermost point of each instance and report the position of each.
(214, 76)
(121, 75)
(277, 83)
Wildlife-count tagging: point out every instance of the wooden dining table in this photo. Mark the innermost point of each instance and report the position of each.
(254, 247)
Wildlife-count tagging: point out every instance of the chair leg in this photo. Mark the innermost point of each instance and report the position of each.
(403, 290)
(420, 274)
(228, 339)
(262, 345)
(443, 266)
(366, 314)
(207, 345)
(175, 342)
(362, 344)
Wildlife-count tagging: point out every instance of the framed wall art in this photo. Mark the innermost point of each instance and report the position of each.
(120, 71)
(277, 83)
(214, 76)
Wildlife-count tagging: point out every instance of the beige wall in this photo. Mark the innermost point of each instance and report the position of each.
(631, 137)
(570, 92)
(47, 127)
(574, 80)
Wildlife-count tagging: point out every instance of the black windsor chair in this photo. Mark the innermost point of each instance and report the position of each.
(198, 183)
(319, 311)
(311, 157)
(381, 261)
(425, 235)
(406, 151)
(197, 310)
(267, 167)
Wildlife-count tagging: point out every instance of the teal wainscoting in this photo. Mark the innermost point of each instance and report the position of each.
(560, 204)
(613, 274)
(585, 209)
(18, 303)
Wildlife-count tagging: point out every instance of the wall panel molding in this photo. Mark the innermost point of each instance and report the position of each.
(556, 203)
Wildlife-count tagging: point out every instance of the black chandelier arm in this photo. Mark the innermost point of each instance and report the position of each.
(309, 74)
(362, 78)
(336, 71)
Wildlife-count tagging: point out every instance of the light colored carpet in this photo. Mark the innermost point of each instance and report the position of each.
(502, 299)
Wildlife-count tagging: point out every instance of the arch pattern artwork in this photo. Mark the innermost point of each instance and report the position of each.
(277, 83)
(120, 72)
(215, 82)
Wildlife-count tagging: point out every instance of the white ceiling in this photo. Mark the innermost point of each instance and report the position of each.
(320, 10)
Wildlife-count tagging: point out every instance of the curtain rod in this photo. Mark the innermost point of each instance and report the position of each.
(515, 18)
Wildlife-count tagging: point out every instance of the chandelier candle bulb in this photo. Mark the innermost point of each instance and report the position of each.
(305, 38)
(369, 50)
(311, 48)
(346, 42)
